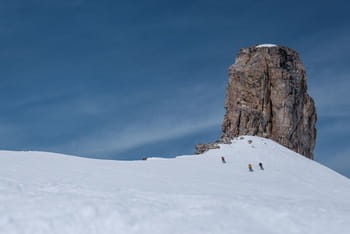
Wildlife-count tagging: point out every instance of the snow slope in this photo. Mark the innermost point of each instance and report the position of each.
(52, 193)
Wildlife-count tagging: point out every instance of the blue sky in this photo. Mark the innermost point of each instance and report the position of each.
(128, 79)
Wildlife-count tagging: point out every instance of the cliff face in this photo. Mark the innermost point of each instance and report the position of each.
(267, 96)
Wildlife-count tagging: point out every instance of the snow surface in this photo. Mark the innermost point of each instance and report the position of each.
(52, 193)
(266, 45)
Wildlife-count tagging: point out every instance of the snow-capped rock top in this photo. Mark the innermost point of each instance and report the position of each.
(266, 45)
(288, 117)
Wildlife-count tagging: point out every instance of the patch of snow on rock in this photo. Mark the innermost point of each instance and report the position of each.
(266, 45)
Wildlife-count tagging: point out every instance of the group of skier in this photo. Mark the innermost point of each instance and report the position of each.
(250, 167)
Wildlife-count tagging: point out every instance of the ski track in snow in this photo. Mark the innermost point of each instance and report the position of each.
(52, 193)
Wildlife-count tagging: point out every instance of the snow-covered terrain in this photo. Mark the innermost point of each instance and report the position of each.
(52, 193)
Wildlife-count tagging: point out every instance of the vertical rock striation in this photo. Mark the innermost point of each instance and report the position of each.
(267, 96)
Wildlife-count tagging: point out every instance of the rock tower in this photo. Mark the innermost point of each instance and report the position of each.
(267, 96)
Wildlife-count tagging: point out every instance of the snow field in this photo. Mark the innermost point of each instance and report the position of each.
(52, 193)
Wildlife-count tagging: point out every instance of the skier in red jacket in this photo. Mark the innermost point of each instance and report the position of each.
(223, 159)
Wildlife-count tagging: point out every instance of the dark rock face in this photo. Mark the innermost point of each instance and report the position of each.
(267, 96)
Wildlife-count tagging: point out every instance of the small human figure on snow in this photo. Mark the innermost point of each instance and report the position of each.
(261, 166)
(223, 159)
(250, 167)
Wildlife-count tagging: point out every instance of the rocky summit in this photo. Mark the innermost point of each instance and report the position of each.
(267, 96)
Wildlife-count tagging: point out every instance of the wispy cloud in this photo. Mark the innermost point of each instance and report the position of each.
(332, 97)
(142, 133)
(335, 128)
(328, 71)
(194, 109)
(67, 3)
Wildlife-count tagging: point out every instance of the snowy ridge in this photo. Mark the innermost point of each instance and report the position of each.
(52, 193)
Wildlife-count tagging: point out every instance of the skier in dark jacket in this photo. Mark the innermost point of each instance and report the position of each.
(223, 159)
(261, 166)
